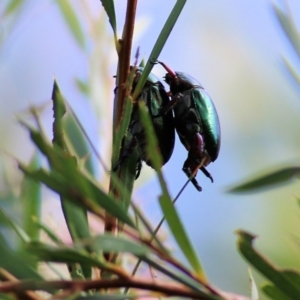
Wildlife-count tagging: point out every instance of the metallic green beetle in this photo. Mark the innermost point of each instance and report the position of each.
(196, 122)
(156, 99)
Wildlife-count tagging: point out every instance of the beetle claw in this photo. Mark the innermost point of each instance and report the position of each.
(154, 61)
(187, 170)
(207, 174)
(196, 185)
(138, 169)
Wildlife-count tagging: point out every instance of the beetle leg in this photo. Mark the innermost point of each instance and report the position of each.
(197, 148)
(206, 173)
(194, 159)
(138, 169)
(196, 184)
(188, 169)
(173, 102)
(170, 106)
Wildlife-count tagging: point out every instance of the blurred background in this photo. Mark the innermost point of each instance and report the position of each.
(235, 49)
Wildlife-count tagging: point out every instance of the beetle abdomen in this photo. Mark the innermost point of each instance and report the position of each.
(210, 121)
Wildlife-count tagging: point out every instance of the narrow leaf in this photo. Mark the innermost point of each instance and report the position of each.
(76, 217)
(16, 263)
(121, 131)
(106, 297)
(5, 219)
(111, 243)
(63, 254)
(12, 7)
(267, 181)
(31, 202)
(286, 281)
(110, 11)
(49, 232)
(292, 70)
(6, 297)
(115, 244)
(160, 42)
(289, 27)
(274, 293)
(78, 142)
(79, 190)
(72, 21)
(180, 236)
(82, 85)
(148, 227)
(152, 146)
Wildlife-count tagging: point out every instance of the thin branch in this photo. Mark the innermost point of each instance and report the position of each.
(124, 57)
(122, 92)
(24, 295)
(84, 285)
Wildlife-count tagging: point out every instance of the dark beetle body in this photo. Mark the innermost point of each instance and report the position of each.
(196, 122)
(156, 99)
(195, 112)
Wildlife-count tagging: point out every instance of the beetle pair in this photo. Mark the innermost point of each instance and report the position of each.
(195, 120)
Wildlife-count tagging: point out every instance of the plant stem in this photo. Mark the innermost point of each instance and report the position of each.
(165, 288)
(122, 91)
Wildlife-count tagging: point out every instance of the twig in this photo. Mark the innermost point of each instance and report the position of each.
(122, 92)
(24, 295)
(165, 288)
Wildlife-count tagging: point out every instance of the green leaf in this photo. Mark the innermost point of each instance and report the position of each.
(12, 7)
(31, 201)
(17, 263)
(274, 293)
(124, 184)
(67, 180)
(151, 140)
(166, 204)
(78, 142)
(72, 21)
(289, 27)
(110, 11)
(180, 236)
(116, 244)
(63, 254)
(268, 180)
(82, 85)
(59, 110)
(106, 297)
(127, 179)
(127, 173)
(5, 219)
(121, 131)
(49, 232)
(288, 282)
(292, 70)
(6, 297)
(76, 217)
(152, 147)
(148, 227)
(160, 42)
(79, 189)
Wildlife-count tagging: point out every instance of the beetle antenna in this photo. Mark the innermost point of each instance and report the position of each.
(170, 72)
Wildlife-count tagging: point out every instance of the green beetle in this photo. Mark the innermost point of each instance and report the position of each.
(196, 122)
(156, 99)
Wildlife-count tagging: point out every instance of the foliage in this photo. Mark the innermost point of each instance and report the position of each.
(94, 263)
(283, 284)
